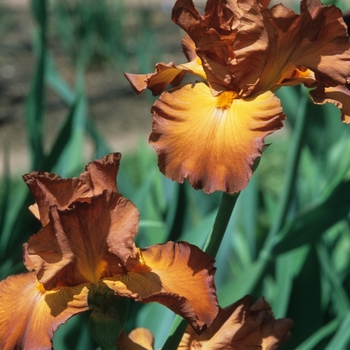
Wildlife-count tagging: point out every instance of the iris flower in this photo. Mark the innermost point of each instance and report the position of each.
(242, 326)
(212, 131)
(85, 249)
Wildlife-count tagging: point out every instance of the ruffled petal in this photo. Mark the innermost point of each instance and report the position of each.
(85, 242)
(29, 315)
(212, 141)
(338, 95)
(138, 339)
(50, 189)
(164, 75)
(177, 275)
(316, 39)
(230, 39)
(247, 48)
(241, 326)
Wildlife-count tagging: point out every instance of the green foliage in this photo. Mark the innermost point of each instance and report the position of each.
(288, 238)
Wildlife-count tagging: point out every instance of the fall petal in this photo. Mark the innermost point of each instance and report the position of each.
(85, 242)
(212, 141)
(177, 275)
(28, 310)
(138, 339)
(338, 95)
(50, 189)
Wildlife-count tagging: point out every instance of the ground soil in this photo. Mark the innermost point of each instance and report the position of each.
(120, 115)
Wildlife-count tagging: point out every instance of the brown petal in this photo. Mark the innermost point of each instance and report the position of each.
(230, 39)
(273, 332)
(241, 326)
(338, 95)
(316, 39)
(85, 242)
(177, 275)
(138, 339)
(50, 189)
(29, 315)
(164, 75)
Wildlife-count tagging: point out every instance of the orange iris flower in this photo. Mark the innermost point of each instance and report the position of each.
(86, 245)
(212, 131)
(240, 326)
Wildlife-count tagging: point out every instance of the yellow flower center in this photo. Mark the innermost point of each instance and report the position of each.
(225, 99)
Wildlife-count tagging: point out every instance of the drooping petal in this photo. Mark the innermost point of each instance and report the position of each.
(241, 326)
(164, 75)
(138, 339)
(85, 242)
(338, 95)
(29, 315)
(177, 275)
(50, 189)
(212, 141)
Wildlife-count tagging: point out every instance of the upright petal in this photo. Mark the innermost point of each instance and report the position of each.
(50, 189)
(29, 315)
(177, 275)
(316, 39)
(85, 242)
(230, 39)
(241, 326)
(212, 141)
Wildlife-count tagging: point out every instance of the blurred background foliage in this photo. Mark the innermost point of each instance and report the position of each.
(289, 236)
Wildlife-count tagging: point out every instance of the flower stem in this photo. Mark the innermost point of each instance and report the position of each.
(223, 216)
(211, 247)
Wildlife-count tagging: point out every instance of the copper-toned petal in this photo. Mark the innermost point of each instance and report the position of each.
(338, 95)
(29, 315)
(230, 39)
(273, 332)
(164, 75)
(177, 275)
(316, 39)
(212, 141)
(50, 189)
(138, 339)
(85, 242)
(240, 326)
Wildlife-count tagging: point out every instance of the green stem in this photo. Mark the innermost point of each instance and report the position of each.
(211, 247)
(223, 216)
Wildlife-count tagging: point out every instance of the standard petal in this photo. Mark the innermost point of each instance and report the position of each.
(212, 141)
(241, 326)
(138, 339)
(164, 75)
(85, 242)
(29, 315)
(273, 332)
(338, 95)
(316, 39)
(230, 39)
(50, 189)
(177, 275)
